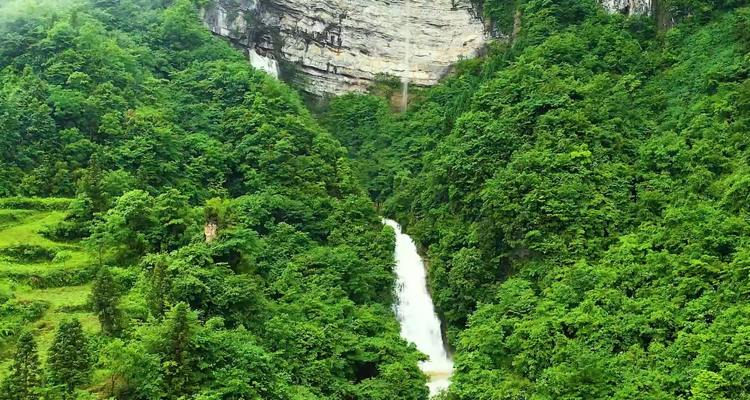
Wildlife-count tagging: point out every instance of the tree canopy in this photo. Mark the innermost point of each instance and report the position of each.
(581, 192)
(156, 131)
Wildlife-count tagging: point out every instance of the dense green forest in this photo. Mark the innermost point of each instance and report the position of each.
(583, 192)
(176, 225)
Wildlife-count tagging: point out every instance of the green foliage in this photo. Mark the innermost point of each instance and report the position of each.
(24, 381)
(28, 203)
(28, 253)
(385, 85)
(583, 196)
(151, 128)
(499, 12)
(363, 124)
(63, 257)
(179, 353)
(15, 315)
(139, 223)
(68, 362)
(709, 385)
(41, 276)
(104, 302)
(10, 217)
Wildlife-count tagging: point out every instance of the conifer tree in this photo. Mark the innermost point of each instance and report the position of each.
(23, 381)
(179, 360)
(68, 362)
(158, 288)
(105, 301)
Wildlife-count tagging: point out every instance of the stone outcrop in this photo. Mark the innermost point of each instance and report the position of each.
(210, 230)
(337, 46)
(628, 7)
(233, 19)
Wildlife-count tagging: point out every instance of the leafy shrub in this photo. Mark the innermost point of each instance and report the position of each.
(62, 257)
(125, 278)
(35, 203)
(65, 231)
(10, 216)
(14, 315)
(29, 252)
(62, 278)
(6, 291)
(53, 279)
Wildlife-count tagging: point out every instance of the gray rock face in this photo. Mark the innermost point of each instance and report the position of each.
(340, 45)
(234, 20)
(628, 7)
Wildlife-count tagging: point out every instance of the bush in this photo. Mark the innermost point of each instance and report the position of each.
(62, 278)
(14, 315)
(53, 279)
(125, 278)
(65, 231)
(63, 257)
(10, 216)
(29, 253)
(35, 203)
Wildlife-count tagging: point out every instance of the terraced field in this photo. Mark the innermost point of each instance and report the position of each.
(41, 281)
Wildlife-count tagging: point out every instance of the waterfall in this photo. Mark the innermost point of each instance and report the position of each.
(416, 313)
(407, 50)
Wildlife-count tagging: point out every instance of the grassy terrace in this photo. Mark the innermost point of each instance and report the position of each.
(26, 230)
(74, 269)
(63, 302)
(37, 294)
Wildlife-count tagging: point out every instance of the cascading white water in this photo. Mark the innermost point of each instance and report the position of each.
(416, 313)
(407, 50)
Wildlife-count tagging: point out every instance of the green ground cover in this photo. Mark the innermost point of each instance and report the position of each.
(37, 295)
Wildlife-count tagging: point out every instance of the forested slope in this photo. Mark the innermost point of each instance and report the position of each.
(148, 130)
(583, 193)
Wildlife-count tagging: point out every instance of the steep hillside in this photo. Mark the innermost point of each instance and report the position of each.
(208, 239)
(583, 196)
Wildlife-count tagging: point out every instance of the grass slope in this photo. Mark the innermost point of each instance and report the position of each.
(38, 295)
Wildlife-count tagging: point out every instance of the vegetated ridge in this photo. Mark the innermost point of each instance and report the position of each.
(583, 193)
(126, 128)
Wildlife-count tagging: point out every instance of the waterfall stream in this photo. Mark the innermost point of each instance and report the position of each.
(416, 313)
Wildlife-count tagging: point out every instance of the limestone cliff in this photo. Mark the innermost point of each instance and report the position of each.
(337, 46)
(628, 7)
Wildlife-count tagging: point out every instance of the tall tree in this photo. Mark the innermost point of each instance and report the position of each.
(178, 355)
(158, 283)
(105, 299)
(24, 380)
(68, 361)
